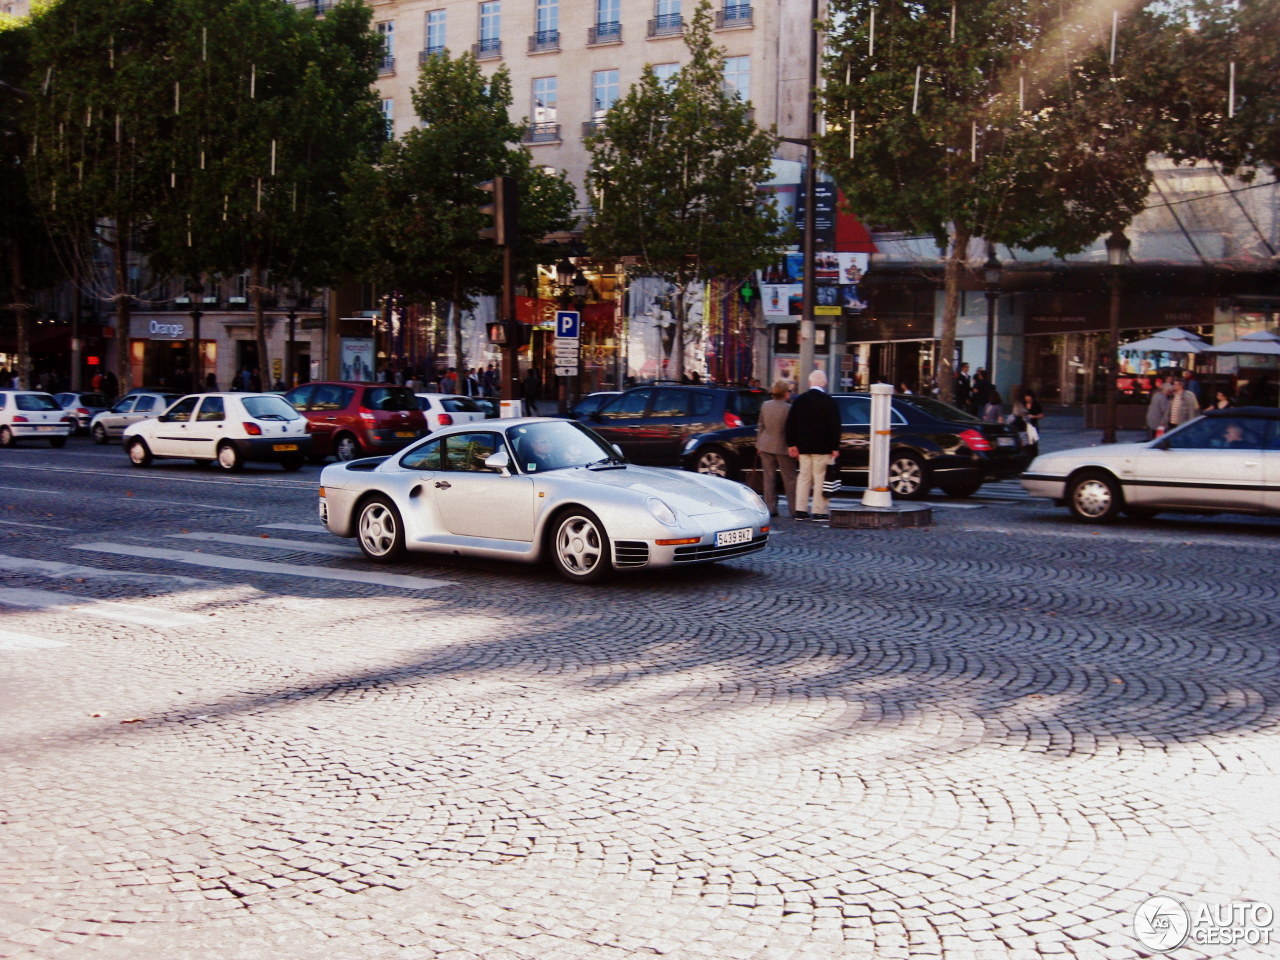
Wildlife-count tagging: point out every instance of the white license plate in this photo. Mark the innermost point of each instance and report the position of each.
(1006, 442)
(727, 538)
(46, 429)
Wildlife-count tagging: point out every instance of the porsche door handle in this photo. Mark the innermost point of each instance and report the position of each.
(443, 484)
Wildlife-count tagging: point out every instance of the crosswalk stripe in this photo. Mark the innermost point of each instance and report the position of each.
(316, 527)
(11, 641)
(58, 570)
(32, 599)
(275, 543)
(272, 569)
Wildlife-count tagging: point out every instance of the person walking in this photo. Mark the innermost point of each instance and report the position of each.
(813, 438)
(963, 388)
(532, 389)
(993, 409)
(1158, 409)
(771, 444)
(1183, 405)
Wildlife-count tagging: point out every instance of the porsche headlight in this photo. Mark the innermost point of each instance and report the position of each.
(751, 498)
(661, 512)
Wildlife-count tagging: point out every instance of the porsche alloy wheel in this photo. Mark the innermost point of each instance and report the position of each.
(379, 531)
(579, 547)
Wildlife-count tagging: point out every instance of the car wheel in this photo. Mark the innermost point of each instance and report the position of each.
(715, 461)
(346, 447)
(229, 458)
(579, 547)
(57, 442)
(1094, 498)
(908, 476)
(960, 488)
(379, 531)
(139, 453)
(100, 434)
(6, 437)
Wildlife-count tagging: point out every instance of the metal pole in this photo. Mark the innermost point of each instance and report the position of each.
(991, 334)
(808, 298)
(877, 493)
(289, 372)
(1112, 382)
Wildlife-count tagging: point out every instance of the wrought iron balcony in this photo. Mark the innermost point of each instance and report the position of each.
(429, 52)
(388, 65)
(735, 15)
(542, 133)
(487, 49)
(605, 33)
(544, 41)
(667, 25)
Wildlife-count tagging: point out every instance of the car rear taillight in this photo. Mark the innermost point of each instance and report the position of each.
(731, 419)
(306, 426)
(975, 440)
(82, 411)
(446, 420)
(367, 417)
(252, 429)
(19, 418)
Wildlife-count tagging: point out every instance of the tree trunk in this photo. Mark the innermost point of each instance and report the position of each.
(459, 359)
(21, 312)
(123, 304)
(955, 266)
(260, 328)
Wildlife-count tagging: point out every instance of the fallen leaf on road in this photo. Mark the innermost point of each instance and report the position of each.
(135, 720)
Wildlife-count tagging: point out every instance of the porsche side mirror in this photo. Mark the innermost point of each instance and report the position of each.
(499, 462)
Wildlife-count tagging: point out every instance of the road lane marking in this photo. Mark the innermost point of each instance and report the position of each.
(11, 641)
(316, 527)
(32, 599)
(57, 570)
(276, 543)
(139, 500)
(272, 569)
(38, 526)
(127, 471)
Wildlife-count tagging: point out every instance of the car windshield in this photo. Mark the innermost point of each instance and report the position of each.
(94, 400)
(390, 398)
(270, 408)
(460, 405)
(35, 401)
(556, 445)
(937, 409)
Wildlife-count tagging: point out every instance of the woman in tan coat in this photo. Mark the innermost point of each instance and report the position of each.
(771, 443)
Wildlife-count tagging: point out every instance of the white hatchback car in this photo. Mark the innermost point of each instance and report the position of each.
(229, 429)
(137, 405)
(28, 414)
(448, 409)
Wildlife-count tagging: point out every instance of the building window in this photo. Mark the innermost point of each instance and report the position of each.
(546, 27)
(608, 26)
(604, 92)
(388, 118)
(387, 34)
(435, 32)
(545, 99)
(666, 74)
(737, 77)
(736, 13)
(667, 19)
(490, 44)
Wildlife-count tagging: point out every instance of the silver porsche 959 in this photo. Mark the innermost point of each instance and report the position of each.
(534, 489)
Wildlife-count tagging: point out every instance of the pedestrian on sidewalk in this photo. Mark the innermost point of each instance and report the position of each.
(813, 438)
(771, 444)
(1183, 405)
(1158, 409)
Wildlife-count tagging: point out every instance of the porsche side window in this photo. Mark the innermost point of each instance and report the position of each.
(429, 456)
(467, 452)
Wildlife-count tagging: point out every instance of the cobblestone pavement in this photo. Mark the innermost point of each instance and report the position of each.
(991, 738)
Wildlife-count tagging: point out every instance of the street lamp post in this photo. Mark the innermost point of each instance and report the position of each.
(196, 289)
(1117, 256)
(991, 271)
(292, 315)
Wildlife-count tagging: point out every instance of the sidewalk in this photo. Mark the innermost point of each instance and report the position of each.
(1063, 429)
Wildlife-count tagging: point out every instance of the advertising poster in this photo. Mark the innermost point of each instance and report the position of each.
(357, 358)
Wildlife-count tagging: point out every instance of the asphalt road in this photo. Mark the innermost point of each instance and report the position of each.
(227, 735)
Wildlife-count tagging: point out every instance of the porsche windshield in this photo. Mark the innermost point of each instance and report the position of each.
(557, 444)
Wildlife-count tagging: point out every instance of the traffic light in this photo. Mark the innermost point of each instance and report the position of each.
(509, 333)
(498, 332)
(503, 210)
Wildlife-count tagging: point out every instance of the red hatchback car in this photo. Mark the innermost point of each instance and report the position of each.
(350, 420)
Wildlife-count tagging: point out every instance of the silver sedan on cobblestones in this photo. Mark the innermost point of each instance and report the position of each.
(535, 489)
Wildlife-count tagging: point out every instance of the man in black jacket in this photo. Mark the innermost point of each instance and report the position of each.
(813, 437)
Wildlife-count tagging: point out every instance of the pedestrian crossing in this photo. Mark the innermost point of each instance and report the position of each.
(176, 600)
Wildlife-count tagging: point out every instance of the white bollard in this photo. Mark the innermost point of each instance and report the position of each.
(877, 494)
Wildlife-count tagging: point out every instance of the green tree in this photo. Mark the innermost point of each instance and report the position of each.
(99, 124)
(418, 213)
(265, 139)
(1005, 121)
(673, 179)
(27, 261)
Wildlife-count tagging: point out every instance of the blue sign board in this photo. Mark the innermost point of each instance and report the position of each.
(567, 324)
